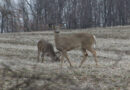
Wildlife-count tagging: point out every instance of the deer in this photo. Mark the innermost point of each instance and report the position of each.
(71, 41)
(46, 47)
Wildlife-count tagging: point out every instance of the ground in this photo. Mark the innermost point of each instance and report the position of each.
(19, 68)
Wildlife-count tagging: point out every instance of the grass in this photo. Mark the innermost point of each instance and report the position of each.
(19, 68)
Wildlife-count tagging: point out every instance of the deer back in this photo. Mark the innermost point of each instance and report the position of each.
(46, 47)
(73, 41)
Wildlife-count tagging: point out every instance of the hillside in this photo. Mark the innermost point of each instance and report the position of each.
(19, 67)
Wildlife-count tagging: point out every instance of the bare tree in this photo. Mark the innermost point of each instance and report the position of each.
(40, 14)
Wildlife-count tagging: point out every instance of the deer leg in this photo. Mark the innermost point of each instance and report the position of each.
(62, 60)
(66, 56)
(84, 57)
(42, 56)
(94, 54)
(38, 55)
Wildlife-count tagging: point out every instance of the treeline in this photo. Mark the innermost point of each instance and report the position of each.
(33, 15)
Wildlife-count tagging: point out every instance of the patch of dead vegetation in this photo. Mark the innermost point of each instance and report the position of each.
(19, 69)
(37, 76)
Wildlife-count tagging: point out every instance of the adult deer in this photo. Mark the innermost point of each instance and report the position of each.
(46, 48)
(82, 41)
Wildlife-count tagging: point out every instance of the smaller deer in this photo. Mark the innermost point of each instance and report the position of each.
(46, 48)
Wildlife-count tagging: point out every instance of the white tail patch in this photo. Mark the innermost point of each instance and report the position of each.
(94, 45)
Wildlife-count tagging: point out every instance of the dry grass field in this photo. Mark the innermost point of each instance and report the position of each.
(19, 69)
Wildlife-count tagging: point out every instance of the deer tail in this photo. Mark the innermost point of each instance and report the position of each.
(94, 41)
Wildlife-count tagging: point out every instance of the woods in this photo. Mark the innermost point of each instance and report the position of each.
(38, 15)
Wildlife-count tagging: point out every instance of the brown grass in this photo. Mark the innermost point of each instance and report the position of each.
(19, 69)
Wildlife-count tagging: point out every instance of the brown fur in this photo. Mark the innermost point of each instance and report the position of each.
(46, 48)
(82, 41)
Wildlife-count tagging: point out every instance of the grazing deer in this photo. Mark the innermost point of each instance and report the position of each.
(83, 41)
(46, 48)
